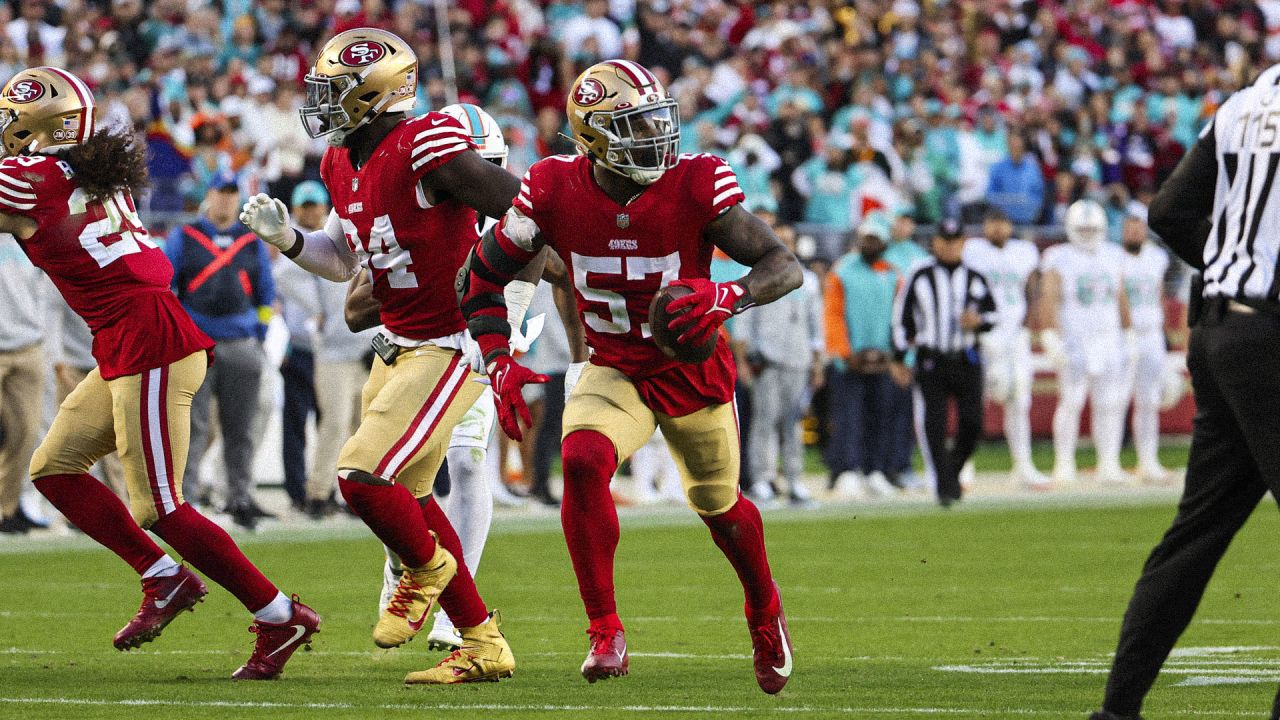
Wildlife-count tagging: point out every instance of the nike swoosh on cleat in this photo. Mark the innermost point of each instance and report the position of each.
(298, 631)
(162, 604)
(622, 656)
(785, 670)
(416, 625)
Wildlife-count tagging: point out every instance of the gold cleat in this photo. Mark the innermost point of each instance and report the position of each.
(411, 604)
(484, 656)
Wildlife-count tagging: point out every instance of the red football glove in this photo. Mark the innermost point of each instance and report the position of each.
(708, 306)
(506, 377)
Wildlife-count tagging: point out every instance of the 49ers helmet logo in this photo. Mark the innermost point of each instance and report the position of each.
(359, 54)
(25, 91)
(589, 92)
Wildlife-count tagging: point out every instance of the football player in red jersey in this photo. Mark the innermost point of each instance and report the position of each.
(628, 216)
(405, 193)
(66, 193)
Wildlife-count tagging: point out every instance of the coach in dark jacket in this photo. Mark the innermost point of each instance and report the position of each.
(222, 275)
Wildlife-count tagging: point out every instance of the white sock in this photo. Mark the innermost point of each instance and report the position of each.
(1146, 435)
(277, 611)
(469, 506)
(1017, 432)
(164, 567)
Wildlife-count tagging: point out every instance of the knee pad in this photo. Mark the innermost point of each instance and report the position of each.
(710, 499)
(588, 455)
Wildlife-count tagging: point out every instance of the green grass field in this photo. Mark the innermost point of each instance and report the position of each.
(994, 610)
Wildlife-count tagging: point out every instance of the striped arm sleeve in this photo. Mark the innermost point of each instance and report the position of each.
(436, 139)
(495, 261)
(17, 196)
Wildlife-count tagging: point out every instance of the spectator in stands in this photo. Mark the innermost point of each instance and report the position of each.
(222, 275)
(785, 348)
(858, 310)
(1016, 186)
(22, 378)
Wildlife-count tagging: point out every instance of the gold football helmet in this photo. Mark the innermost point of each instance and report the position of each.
(42, 108)
(359, 75)
(622, 118)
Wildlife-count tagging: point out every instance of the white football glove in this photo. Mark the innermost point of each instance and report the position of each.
(571, 378)
(471, 353)
(269, 219)
(1054, 349)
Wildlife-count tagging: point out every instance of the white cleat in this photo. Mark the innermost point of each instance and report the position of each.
(849, 486)
(1154, 474)
(967, 475)
(390, 581)
(761, 492)
(1031, 478)
(443, 635)
(1114, 477)
(879, 486)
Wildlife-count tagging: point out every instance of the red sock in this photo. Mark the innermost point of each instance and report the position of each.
(93, 508)
(392, 513)
(211, 550)
(589, 519)
(739, 534)
(460, 598)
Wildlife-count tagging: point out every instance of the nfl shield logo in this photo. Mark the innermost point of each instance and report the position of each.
(355, 184)
(623, 220)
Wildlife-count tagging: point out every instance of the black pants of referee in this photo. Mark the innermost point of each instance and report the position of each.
(941, 378)
(1235, 459)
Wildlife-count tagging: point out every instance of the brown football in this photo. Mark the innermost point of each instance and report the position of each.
(665, 338)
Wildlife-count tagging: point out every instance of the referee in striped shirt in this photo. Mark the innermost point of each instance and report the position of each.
(939, 312)
(1219, 212)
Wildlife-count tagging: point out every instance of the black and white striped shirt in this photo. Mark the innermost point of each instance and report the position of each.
(927, 309)
(1219, 211)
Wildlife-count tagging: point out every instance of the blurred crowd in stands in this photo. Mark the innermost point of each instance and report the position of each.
(872, 114)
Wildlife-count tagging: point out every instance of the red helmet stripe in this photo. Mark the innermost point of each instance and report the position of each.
(638, 76)
(83, 94)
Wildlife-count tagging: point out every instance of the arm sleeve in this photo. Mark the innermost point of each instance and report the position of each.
(904, 319)
(325, 253)
(17, 192)
(433, 140)
(715, 187)
(1181, 210)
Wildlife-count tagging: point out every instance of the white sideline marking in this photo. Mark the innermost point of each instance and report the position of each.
(972, 712)
(379, 653)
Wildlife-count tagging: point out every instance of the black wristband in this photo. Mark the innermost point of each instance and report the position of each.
(296, 249)
(745, 302)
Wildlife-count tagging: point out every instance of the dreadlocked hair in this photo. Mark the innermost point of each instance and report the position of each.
(109, 161)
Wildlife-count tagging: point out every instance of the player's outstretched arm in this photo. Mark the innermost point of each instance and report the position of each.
(748, 240)
(557, 275)
(475, 182)
(18, 226)
(361, 309)
(322, 252)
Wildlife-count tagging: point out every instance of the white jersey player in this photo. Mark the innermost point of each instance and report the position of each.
(1145, 264)
(1085, 314)
(1008, 264)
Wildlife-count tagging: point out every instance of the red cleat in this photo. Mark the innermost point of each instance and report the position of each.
(771, 646)
(277, 643)
(162, 599)
(608, 657)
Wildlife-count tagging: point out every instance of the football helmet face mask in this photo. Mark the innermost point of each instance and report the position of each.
(1086, 224)
(483, 129)
(358, 75)
(622, 118)
(45, 108)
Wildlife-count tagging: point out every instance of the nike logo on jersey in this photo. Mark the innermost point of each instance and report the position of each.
(437, 121)
(162, 604)
(298, 632)
(785, 670)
